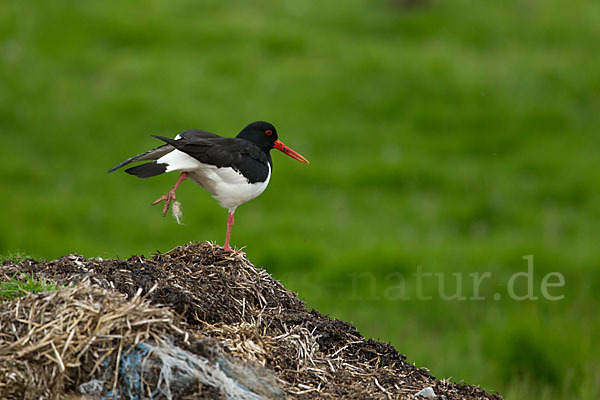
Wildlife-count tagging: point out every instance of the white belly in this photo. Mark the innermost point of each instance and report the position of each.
(229, 187)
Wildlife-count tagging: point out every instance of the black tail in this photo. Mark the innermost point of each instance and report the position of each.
(153, 154)
(147, 170)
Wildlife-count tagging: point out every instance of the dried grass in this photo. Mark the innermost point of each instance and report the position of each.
(254, 318)
(76, 338)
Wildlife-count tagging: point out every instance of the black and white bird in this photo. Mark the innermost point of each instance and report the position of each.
(233, 170)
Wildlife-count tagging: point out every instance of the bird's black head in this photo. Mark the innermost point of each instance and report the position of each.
(264, 135)
(261, 133)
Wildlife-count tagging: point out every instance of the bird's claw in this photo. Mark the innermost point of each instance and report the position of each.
(168, 198)
(232, 251)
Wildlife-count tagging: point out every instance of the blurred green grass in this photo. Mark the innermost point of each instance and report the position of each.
(457, 136)
(23, 285)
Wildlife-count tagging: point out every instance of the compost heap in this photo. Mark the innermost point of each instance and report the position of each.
(192, 323)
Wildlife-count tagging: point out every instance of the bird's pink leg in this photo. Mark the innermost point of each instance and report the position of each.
(227, 247)
(170, 195)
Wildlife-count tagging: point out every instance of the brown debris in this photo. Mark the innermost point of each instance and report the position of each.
(256, 319)
(83, 338)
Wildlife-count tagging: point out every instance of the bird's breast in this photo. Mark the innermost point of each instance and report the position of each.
(227, 185)
(230, 186)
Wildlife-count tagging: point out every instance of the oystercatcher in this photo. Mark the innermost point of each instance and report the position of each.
(233, 170)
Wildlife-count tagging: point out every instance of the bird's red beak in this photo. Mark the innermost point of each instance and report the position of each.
(283, 148)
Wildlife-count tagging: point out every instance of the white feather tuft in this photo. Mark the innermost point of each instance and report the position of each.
(176, 210)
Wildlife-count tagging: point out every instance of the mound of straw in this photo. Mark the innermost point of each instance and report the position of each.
(91, 341)
(241, 315)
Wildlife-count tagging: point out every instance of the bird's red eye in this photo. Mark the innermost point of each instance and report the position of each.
(268, 132)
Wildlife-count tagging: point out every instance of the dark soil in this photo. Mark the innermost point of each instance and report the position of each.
(222, 296)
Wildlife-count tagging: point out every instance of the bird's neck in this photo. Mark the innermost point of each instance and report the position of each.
(264, 147)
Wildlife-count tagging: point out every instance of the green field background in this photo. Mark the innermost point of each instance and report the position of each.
(447, 137)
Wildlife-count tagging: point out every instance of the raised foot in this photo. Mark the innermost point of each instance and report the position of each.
(168, 198)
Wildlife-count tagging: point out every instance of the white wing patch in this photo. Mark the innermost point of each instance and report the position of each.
(179, 161)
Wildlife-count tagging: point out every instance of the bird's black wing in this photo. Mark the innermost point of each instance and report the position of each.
(153, 154)
(194, 134)
(239, 154)
(158, 152)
